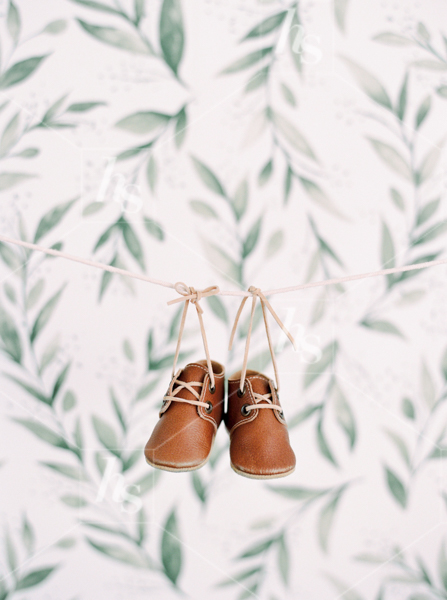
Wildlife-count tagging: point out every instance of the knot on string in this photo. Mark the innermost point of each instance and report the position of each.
(192, 295)
(187, 295)
(265, 304)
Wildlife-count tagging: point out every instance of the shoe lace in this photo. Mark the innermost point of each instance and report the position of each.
(265, 305)
(189, 294)
(184, 385)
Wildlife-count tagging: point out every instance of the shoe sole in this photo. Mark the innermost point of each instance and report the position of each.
(252, 476)
(177, 469)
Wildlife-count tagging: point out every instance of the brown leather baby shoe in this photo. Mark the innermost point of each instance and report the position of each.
(259, 440)
(189, 418)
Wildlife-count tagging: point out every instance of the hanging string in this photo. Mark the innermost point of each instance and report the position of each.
(265, 305)
(295, 288)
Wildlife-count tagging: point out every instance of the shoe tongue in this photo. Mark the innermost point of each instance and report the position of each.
(260, 383)
(192, 372)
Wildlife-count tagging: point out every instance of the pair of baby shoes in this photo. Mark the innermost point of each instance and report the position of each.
(193, 408)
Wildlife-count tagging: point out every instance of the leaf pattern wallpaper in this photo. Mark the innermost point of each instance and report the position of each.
(255, 142)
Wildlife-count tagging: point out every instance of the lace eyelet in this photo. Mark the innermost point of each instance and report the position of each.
(244, 410)
(209, 408)
(211, 388)
(240, 392)
(281, 414)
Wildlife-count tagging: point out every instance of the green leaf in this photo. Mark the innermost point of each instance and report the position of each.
(98, 6)
(59, 381)
(397, 199)
(257, 549)
(132, 242)
(74, 501)
(258, 79)
(10, 337)
(106, 435)
(52, 218)
(298, 493)
(9, 257)
(266, 26)
(121, 554)
(427, 386)
(283, 560)
(442, 565)
(203, 209)
(393, 39)
(10, 135)
(20, 71)
(9, 180)
(28, 535)
(45, 314)
(11, 554)
(55, 27)
(252, 238)
(427, 211)
(248, 60)
(369, 84)
(118, 410)
(180, 128)
(303, 415)
(223, 263)
(76, 473)
(44, 433)
(218, 308)
(323, 445)
(30, 389)
(431, 65)
(392, 158)
(396, 487)
(292, 135)
(400, 445)
(171, 33)
(326, 519)
(143, 122)
(340, 7)
(344, 415)
(287, 183)
(423, 111)
(275, 243)
(69, 401)
(199, 487)
(28, 153)
(328, 356)
(288, 94)
(388, 252)
(382, 326)
(240, 200)
(442, 91)
(208, 177)
(430, 234)
(10, 292)
(34, 578)
(34, 294)
(128, 350)
(429, 163)
(84, 106)
(317, 194)
(444, 364)
(13, 22)
(151, 173)
(144, 391)
(265, 173)
(408, 408)
(400, 110)
(146, 483)
(171, 552)
(117, 38)
(154, 228)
